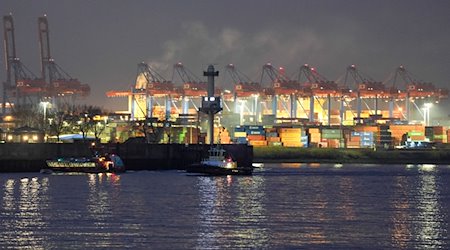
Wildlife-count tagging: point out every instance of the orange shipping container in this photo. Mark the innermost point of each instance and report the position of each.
(292, 144)
(273, 139)
(314, 130)
(256, 137)
(258, 143)
(290, 130)
(332, 143)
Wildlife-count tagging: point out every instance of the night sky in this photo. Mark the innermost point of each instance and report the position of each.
(101, 42)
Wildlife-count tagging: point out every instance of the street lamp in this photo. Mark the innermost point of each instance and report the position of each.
(44, 105)
(255, 110)
(426, 113)
(241, 115)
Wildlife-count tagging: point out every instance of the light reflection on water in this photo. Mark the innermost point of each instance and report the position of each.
(430, 215)
(231, 201)
(21, 217)
(280, 206)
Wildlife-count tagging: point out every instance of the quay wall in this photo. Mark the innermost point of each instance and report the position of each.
(24, 157)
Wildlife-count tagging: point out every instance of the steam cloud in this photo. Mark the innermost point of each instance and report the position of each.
(197, 47)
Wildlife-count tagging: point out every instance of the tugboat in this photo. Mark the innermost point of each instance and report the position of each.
(218, 163)
(109, 163)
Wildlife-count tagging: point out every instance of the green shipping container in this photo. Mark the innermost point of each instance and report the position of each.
(275, 143)
(415, 133)
(331, 134)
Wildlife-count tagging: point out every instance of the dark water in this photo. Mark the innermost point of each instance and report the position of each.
(281, 206)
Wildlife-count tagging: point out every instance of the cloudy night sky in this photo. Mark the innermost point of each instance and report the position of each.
(100, 42)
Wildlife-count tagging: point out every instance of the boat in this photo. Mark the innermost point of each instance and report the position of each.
(218, 163)
(109, 163)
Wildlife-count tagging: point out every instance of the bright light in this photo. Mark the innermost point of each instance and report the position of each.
(45, 104)
(427, 167)
(426, 113)
(428, 105)
(25, 137)
(35, 137)
(9, 137)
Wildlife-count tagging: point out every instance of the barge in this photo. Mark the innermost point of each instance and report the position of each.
(99, 164)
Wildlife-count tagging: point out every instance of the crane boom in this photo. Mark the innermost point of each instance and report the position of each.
(44, 44)
(9, 47)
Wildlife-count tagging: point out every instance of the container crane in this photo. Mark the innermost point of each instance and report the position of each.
(21, 84)
(59, 82)
(282, 89)
(414, 90)
(281, 84)
(316, 87)
(149, 86)
(315, 83)
(193, 87)
(366, 88)
(246, 92)
(243, 86)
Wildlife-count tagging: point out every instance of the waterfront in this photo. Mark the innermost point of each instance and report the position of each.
(280, 206)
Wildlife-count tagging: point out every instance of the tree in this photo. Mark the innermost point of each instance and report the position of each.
(151, 128)
(27, 115)
(76, 119)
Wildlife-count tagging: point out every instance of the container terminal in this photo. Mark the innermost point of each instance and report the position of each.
(305, 110)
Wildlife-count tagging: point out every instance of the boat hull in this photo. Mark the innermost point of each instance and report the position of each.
(82, 166)
(78, 170)
(215, 170)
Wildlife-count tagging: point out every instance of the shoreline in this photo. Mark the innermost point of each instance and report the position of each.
(359, 156)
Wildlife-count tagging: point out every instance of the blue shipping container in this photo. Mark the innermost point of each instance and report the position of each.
(241, 140)
(239, 129)
(255, 132)
(355, 134)
(253, 127)
(367, 144)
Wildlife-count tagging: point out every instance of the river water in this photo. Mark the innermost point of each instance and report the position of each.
(282, 206)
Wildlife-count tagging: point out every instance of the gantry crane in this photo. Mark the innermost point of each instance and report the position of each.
(21, 84)
(59, 83)
(406, 87)
(243, 86)
(366, 88)
(315, 86)
(281, 89)
(149, 86)
(245, 92)
(193, 88)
